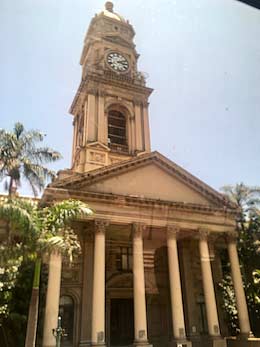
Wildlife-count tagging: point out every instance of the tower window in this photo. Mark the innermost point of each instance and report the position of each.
(116, 128)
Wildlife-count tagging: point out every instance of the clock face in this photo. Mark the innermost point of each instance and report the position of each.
(117, 62)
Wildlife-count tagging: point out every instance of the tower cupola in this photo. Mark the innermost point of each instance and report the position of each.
(110, 108)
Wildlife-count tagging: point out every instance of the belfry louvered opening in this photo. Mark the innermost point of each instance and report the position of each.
(117, 128)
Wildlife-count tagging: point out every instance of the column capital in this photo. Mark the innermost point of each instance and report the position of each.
(203, 234)
(232, 237)
(138, 102)
(172, 231)
(93, 91)
(138, 229)
(101, 225)
(101, 92)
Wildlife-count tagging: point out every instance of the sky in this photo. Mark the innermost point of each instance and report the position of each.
(202, 58)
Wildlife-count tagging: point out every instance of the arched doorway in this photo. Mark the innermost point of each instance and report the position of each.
(66, 311)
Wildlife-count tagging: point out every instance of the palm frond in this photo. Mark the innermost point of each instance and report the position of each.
(63, 212)
(18, 213)
(45, 155)
(19, 156)
(18, 129)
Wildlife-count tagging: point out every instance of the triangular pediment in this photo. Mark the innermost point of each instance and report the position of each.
(149, 176)
(148, 181)
(97, 145)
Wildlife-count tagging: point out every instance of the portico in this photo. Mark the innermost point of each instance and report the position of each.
(101, 308)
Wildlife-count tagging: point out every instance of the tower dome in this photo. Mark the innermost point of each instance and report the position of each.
(109, 12)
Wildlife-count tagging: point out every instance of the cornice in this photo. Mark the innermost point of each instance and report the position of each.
(84, 87)
(51, 194)
(166, 164)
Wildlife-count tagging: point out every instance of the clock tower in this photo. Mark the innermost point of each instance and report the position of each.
(110, 109)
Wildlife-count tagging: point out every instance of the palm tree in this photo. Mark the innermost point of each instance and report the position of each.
(42, 230)
(20, 158)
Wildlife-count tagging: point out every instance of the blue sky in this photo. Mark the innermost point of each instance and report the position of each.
(203, 61)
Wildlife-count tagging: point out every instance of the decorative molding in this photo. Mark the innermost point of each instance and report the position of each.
(101, 225)
(93, 91)
(101, 93)
(114, 160)
(172, 231)
(138, 229)
(97, 157)
(203, 234)
(138, 102)
(232, 237)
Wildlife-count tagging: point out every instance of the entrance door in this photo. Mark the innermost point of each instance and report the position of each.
(121, 322)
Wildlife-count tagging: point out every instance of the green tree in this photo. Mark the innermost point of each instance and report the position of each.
(248, 227)
(21, 158)
(39, 231)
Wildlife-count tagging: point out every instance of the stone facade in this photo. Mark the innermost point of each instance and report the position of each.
(150, 263)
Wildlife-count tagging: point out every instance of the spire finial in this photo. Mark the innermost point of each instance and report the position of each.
(109, 6)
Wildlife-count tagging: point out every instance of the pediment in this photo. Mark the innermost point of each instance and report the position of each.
(98, 145)
(149, 181)
(148, 176)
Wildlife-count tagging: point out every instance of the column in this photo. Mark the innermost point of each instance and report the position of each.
(132, 127)
(87, 286)
(139, 286)
(98, 303)
(138, 127)
(91, 118)
(208, 286)
(101, 116)
(146, 129)
(86, 123)
(74, 140)
(178, 325)
(52, 299)
(238, 286)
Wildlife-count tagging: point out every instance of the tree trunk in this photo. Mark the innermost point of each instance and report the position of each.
(34, 307)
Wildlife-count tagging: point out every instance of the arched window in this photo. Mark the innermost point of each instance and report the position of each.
(66, 311)
(117, 129)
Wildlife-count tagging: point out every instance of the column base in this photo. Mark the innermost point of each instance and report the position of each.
(217, 341)
(98, 344)
(142, 343)
(242, 342)
(180, 343)
(84, 344)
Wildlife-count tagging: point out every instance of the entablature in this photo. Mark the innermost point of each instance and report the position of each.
(94, 84)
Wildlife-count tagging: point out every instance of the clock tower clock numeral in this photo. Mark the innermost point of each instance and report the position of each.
(117, 62)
